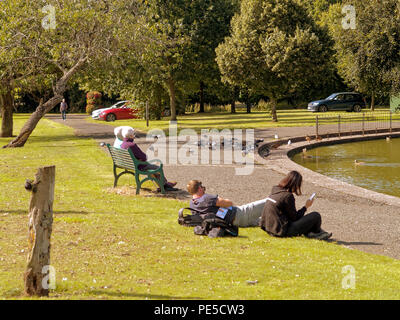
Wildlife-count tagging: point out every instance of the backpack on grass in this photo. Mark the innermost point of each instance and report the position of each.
(207, 224)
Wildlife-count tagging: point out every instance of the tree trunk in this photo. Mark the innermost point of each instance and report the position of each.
(32, 122)
(158, 101)
(248, 107)
(40, 228)
(273, 102)
(373, 101)
(172, 98)
(233, 106)
(201, 97)
(42, 109)
(7, 103)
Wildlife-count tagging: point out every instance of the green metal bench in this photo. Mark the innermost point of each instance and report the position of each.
(125, 160)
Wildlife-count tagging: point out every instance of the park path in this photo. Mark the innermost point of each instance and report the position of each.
(356, 222)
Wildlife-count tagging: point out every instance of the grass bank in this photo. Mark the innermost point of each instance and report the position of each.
(113, 246)
(241, 120)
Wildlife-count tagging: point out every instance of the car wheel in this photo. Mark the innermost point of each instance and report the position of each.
(323, 109)
(357, 108)
(111, 117)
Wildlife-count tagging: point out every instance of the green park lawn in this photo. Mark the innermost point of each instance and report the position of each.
(242, 120)
(107, 245)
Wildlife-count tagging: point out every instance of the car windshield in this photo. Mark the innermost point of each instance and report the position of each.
(118, 104)
(331, 97)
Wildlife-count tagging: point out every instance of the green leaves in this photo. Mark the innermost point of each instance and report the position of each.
(275, 48)
(369, 56)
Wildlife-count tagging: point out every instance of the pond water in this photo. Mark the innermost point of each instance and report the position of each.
(377, 167)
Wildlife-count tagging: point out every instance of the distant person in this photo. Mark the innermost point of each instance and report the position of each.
(128, 135)
(63, 109)
(280, 217)
(244, 216)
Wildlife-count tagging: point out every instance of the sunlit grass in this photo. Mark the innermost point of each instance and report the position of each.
(255, 120)
(111, 246)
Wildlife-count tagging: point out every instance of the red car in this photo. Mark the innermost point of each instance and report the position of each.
(127, 111)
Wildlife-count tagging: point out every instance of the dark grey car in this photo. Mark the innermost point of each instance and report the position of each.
(349, 101)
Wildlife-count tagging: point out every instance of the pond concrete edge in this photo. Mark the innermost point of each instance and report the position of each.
(280, 161)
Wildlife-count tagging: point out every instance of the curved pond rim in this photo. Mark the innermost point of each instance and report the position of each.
(337, 140)
(334, 183)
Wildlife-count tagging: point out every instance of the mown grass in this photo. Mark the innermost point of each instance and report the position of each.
(111, 246)
(241, 120)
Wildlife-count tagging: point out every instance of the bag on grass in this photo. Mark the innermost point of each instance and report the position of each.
(208, 224)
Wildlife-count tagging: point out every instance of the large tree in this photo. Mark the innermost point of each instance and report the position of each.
(65, 37)
(178, 47)
(14, 70)
(275, 49)
(368, 53)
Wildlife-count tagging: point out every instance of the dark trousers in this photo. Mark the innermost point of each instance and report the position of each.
(64, 115)
(154, 167)
(309, 223)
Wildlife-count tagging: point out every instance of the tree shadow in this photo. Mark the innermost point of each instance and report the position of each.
(139, 295)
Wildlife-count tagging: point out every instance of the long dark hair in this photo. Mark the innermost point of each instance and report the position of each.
(292, 182)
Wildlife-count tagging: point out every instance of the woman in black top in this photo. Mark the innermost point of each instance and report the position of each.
(280, 217)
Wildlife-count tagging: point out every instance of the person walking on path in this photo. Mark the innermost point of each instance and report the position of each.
(244, 216)
(63, 109)
(280, 217)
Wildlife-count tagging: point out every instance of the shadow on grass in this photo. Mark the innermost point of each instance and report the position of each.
(139, 295)
(18, 212)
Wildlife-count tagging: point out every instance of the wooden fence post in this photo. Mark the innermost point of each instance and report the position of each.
(40, 228)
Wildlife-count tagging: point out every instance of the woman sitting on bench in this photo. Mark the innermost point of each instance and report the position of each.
(128, 134)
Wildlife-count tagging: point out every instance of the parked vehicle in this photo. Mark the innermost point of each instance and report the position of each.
(127, 111)
(96, 113)
(349, 101)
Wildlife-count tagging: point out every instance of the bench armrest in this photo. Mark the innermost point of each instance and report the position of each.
(156, 160)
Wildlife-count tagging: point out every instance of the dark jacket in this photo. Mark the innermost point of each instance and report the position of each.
(137, 152)
(279, 211)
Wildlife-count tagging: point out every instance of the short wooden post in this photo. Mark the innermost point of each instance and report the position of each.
(40, 228)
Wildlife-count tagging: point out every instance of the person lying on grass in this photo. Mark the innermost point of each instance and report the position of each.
(280, 217)
(128, 135)
(244, 216)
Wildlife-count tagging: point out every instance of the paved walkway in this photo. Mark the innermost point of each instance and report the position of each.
(356, 222)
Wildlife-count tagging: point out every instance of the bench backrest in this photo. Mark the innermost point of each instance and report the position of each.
(122, 158)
